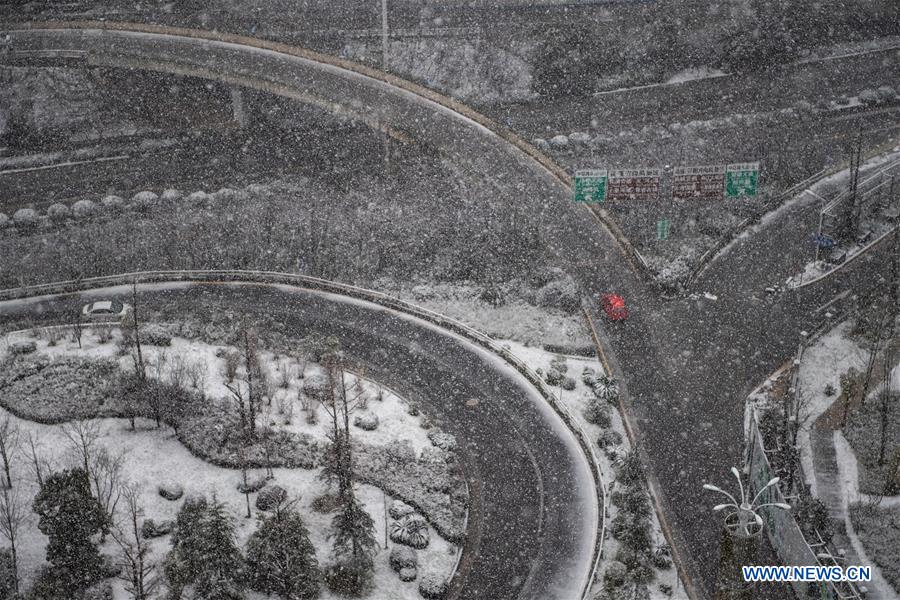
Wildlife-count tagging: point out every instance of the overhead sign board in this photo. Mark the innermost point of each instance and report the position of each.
(741, 180)
(590, 185)
(700, 182)
(634, 184)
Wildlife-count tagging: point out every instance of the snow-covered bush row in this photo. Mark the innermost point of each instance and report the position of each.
(145, 201)
(54, 391)
(432, 484)
(276, 227)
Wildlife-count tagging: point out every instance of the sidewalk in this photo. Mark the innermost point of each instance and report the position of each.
(835, 488)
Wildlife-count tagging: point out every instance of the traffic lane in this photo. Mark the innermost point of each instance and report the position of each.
(536, 517)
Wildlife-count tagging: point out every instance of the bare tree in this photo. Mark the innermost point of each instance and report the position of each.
(238, 395)
(107, 479)
(339, 403)
(77, 329)
(40, 466)
(83, 437)
(13, 512)
(242, 457)
(9, 443)
(138, 571)
(138, 357)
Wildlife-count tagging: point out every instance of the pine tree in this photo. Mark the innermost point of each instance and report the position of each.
(204, 553)
(69, 516)
(280, 558)
(354, 548)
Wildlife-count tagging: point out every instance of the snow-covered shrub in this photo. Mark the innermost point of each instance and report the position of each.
(568, 383)
(99, 591)
(155, 335)
(403, 557)
(580, 138)
(83, 209)
(4, 221)
(171, 195)
(367, 421)
(869, 97)
(58, 212)
(22, 347)
(559, 142)
(560, 364)
(151, 529)
(170, 490)
(561, 293)
(144, 201)
(408, 574)
(598, 413)
(553, 377)
(199, 199)
(252, 485)
(615, 573)
(609, 437)
(444, 441)
(541, 144)
(271, 497)
(410, 531)
(413, 410)
(433, 586)
(64, 389)
(662, 558)
(25, 218)
(886, 93)
(606, 388)
(113, 203)
(588, 376)
(317, 387)
(400, 509)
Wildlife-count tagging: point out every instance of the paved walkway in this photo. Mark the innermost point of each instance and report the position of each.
(832, 493)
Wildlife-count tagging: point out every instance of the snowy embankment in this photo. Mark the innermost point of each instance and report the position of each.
(573, 378)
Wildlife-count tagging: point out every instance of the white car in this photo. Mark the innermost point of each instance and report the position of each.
(105, 310)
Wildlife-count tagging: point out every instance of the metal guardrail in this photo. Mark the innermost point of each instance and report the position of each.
(315, 283)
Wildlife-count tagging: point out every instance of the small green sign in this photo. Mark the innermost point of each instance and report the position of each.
(662, 229)
(742, 180)
(590, 185)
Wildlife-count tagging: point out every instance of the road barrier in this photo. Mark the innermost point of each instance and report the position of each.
(323, 285)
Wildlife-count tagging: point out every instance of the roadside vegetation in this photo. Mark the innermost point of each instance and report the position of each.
(295, 435)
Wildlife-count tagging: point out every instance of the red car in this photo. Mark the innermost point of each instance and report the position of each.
(614, 307)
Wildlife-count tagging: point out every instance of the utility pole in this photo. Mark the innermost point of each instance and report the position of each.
(384, 36)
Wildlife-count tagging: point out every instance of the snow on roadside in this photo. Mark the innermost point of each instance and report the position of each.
(576, 400)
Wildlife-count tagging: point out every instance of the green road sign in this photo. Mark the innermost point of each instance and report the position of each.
(741, 180)
(590, 185)
(662, 229)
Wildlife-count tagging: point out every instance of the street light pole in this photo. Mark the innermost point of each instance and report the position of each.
(740, 538)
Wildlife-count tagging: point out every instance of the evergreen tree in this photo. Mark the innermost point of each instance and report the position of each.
(7, 575)
(204, 554)
(280, 558)
(69, 516)
(354, 548)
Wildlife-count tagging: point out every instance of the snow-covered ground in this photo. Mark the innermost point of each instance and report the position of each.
(153, 456)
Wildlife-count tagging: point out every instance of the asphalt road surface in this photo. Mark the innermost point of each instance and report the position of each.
(687, 364)
(534, 511)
